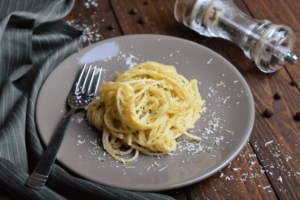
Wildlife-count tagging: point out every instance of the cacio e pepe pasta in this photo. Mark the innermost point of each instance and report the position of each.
(145, 109)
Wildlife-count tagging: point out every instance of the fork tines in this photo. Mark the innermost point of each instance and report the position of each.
(87, 75)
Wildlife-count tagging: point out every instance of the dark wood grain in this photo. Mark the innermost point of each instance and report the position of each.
(95, 19)
(246, 183)
(249, 182)
(282, 128)
(283, 154)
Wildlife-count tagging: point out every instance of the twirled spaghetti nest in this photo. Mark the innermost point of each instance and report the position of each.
(145, 109)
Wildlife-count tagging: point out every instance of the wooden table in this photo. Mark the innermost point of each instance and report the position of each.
(261, 165)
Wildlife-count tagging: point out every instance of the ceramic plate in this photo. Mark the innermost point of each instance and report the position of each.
(225, 126)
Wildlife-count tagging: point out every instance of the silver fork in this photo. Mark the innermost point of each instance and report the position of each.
(79, 97)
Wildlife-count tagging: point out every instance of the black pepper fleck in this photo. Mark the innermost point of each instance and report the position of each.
(269, 112)
(111, 27)
(143, 20)
(294, 82)
(146, 2)
(297, 117)
(278, 95)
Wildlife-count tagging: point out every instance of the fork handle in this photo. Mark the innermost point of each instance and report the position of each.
(40, 174)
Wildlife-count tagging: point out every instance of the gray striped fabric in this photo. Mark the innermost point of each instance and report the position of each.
(33, 41)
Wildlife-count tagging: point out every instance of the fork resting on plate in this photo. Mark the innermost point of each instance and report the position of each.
(78, 98)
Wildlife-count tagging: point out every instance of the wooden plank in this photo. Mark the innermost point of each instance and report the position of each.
(248, 182)
(160, 17)
(161, 21)
(95, 18)
(282, 129)
(281, 157)
(280, 12)
(245, 183)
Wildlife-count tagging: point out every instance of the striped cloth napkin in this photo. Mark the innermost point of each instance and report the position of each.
(33, 41)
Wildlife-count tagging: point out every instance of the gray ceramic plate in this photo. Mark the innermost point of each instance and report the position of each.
(225, 127)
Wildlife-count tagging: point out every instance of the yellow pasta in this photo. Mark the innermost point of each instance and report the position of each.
(144, 110)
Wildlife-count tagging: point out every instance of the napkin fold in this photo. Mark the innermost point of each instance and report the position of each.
(33, 41)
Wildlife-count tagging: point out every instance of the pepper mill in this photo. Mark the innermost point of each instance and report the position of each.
(268, 44)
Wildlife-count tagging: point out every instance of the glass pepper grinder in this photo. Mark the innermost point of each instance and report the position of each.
(268, 44)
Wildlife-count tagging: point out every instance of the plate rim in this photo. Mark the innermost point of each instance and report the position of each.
(181, 184)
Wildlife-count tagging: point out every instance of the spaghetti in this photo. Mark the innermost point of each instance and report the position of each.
(145, 109)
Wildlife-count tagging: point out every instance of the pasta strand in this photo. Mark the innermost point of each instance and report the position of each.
(145, 109)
